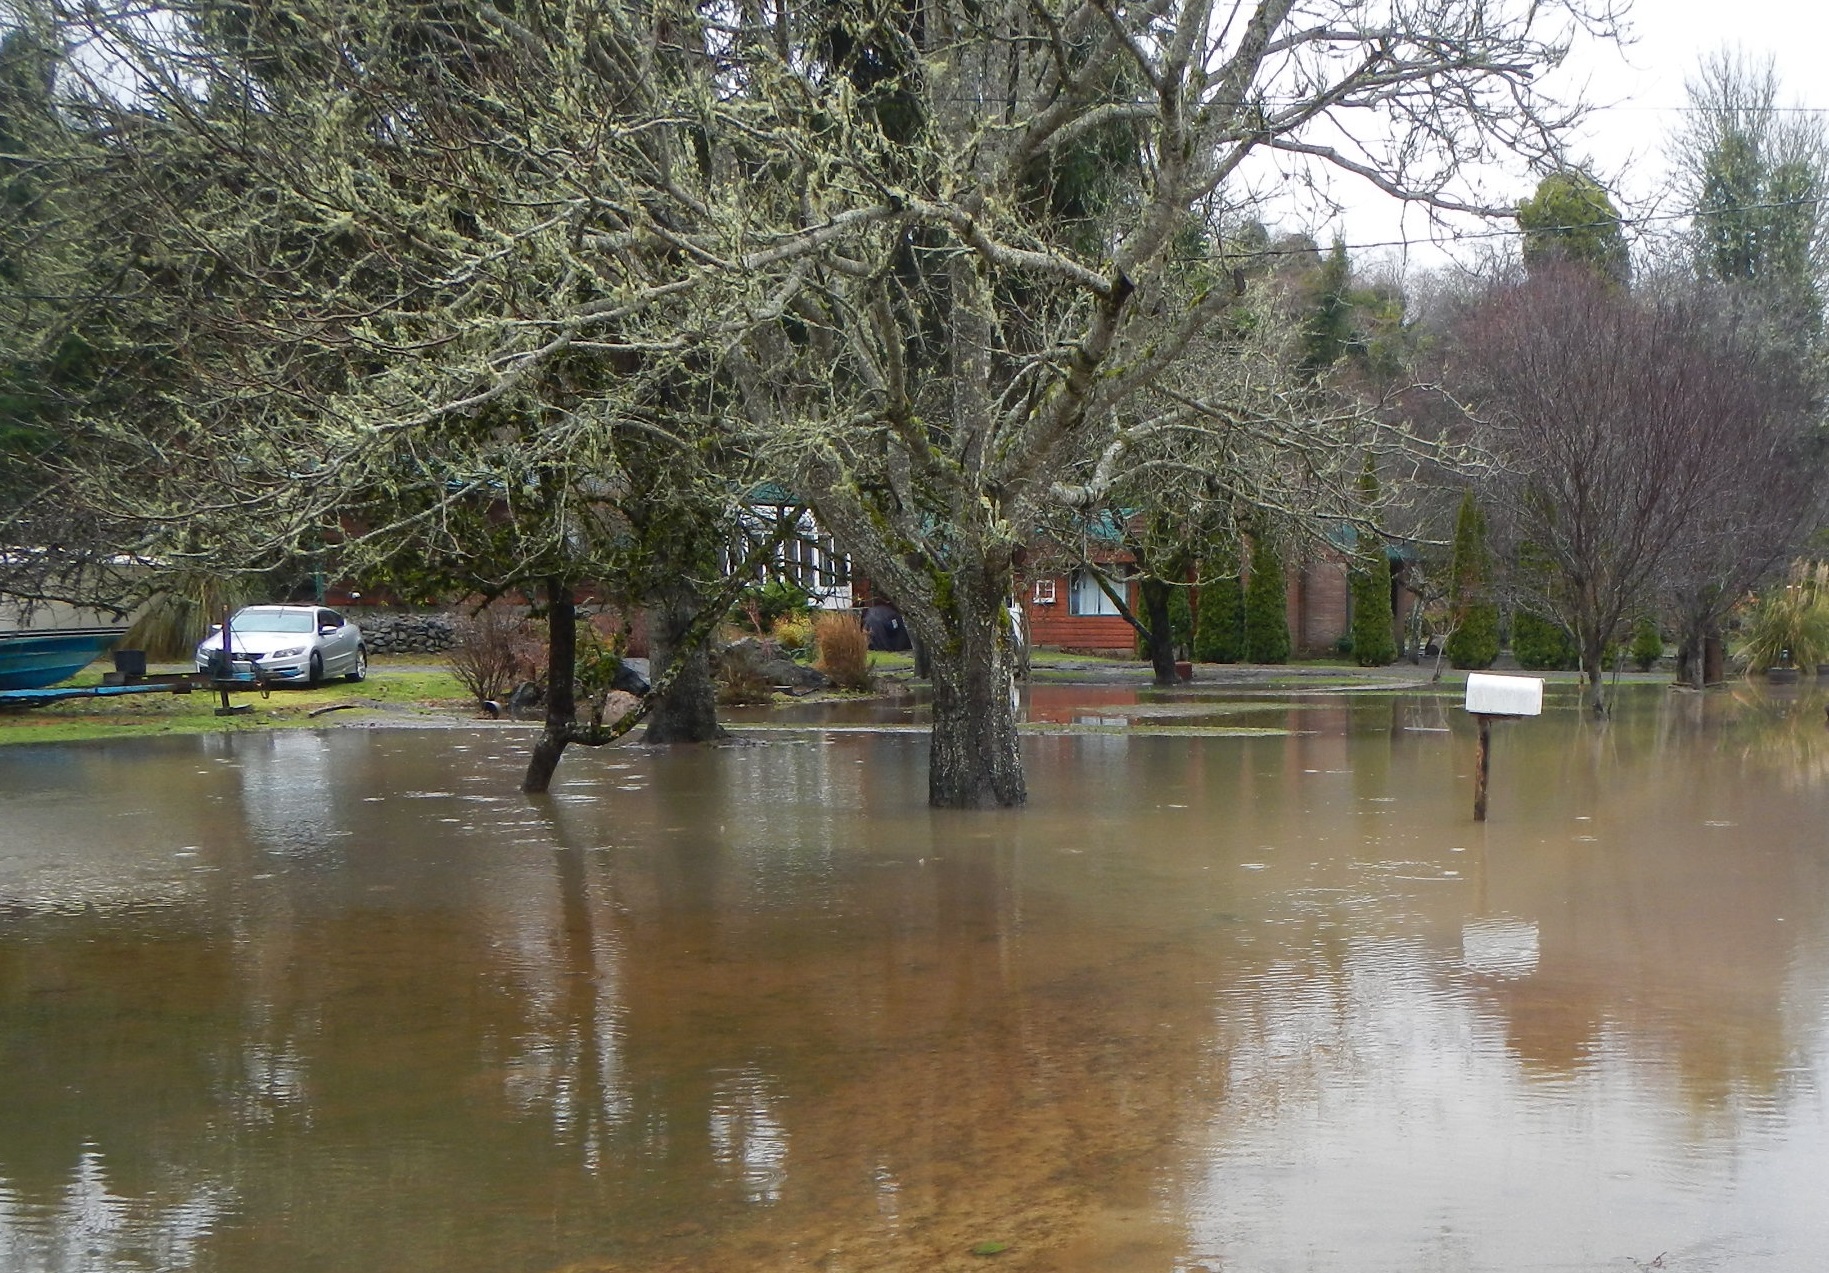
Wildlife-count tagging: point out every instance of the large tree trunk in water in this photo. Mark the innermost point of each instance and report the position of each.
(1714, 660)
(688, 711)
(561, 669)
(1701, 658)
(1593, 658)
(1160, 639)
(974, 763)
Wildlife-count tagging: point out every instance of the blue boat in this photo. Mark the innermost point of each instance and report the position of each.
(34, 658)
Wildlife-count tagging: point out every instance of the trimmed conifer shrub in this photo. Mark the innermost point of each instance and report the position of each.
(1266, 618)
(1647, 644)
(1219, 634)
(1181, 623)
(1474, 643)
(1373, 644)
(1540, 644)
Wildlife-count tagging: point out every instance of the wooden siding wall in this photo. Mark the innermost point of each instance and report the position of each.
(1317, 610)
(1053, 627)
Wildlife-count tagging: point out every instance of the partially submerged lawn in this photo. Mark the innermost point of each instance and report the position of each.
(401, 693)
(407, 689)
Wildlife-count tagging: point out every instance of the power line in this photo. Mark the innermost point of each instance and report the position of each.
(1459, 236)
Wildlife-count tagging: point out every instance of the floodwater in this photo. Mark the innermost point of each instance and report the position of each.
(1244, 988)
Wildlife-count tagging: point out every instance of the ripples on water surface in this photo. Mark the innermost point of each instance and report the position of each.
(346, 1001)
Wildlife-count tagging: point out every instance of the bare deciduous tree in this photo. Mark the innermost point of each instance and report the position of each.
(870, 225)
(1632, 432)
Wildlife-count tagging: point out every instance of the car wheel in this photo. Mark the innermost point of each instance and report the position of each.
(315, 677)
(359, 670)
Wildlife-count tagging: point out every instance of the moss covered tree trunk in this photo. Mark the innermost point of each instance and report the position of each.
(1374, 643)
(561, 671)
(974, 762)
(686, 711)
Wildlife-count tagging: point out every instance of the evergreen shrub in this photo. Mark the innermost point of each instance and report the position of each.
(1373, 644)
(1219, 636)
(1647, 644)
(1266, 616)
(1540, 644)
(1474, 643)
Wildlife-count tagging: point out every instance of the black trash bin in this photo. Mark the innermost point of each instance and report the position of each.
(131, 664)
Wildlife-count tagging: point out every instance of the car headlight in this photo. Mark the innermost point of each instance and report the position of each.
(288, 654)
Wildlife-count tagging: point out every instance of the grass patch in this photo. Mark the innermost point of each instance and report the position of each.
(415, 692)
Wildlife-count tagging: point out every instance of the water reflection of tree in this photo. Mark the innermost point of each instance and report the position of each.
(1784, 732)
(108, 1075)
(1672, 902)
(570, 1058)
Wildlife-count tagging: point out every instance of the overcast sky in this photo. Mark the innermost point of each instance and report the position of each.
(1638, 90)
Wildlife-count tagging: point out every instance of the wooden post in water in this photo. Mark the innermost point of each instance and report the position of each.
(1482, 763)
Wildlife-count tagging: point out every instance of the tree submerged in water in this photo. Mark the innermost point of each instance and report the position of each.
(943, 270)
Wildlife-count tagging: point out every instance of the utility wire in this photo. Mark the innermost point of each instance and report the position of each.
(1459, 236)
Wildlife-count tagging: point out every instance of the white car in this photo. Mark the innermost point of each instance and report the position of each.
(288, 643)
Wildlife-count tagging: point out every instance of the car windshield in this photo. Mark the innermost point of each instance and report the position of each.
(273, 621)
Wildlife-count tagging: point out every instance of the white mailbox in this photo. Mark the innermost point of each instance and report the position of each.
(1489, 695)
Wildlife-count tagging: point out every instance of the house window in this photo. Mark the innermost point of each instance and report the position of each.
(1044, 592)
(1087, 598)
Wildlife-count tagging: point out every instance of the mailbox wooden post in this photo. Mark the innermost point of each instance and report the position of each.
(1482, 765)
(1506, 697)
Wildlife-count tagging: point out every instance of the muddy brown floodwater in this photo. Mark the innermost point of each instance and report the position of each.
(1244, 988)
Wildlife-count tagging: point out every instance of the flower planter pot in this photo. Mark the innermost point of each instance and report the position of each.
(1781, 675)
(1184, 670)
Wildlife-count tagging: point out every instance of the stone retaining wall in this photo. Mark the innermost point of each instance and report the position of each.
(403, 632)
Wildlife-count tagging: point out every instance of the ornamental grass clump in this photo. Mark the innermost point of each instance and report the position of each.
(844, 649)
(1789, 627)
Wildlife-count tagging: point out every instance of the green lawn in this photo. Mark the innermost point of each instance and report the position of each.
(388, 693)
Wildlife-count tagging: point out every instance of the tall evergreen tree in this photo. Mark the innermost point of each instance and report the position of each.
(1373, 644)
(1474, 643)
(1328, 332)
(1756, 180)
(1266, 613)
(1571, 218)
